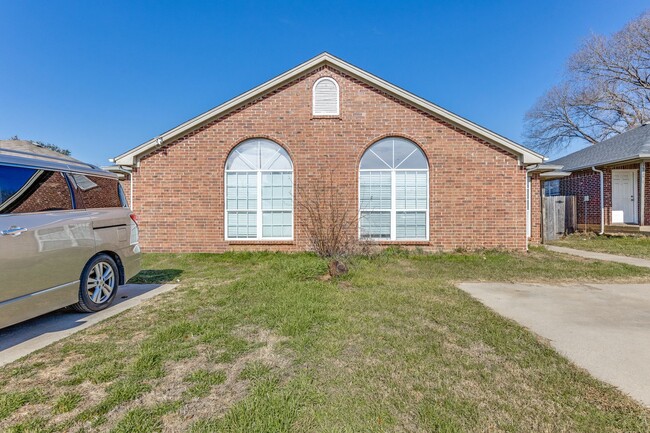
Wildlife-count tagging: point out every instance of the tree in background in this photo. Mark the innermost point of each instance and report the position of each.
(50, 146)
(606, 91)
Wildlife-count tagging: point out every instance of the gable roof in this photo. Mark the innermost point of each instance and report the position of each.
(527, 156)
(630, 145)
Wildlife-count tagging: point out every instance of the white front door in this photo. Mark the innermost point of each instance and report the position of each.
(624, 192)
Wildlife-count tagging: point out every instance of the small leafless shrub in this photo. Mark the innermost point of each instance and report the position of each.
(329, 221)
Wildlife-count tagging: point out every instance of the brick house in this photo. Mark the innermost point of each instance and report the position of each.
(609, 180)
(412, 173)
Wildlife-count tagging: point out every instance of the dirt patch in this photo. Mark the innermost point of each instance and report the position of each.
(223, 397)
(346, 285)
(174, 386)
(45, 380)
(171, 388)
(91, 396)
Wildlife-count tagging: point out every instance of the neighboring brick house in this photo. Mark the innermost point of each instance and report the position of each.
(623, 161)
(413, 173)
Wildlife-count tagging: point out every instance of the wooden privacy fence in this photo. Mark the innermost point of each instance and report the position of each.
(559, 216)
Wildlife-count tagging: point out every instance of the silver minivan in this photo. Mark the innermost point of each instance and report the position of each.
(67, 235)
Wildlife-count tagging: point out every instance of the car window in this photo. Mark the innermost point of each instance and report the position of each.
(97, 192)
(123, 199)
(26, 190)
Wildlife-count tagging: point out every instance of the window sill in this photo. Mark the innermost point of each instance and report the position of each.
(399, 242)
(259, 242)
(323, 117)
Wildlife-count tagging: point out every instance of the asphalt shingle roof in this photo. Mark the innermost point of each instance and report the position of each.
(28, 146)
(632, 144)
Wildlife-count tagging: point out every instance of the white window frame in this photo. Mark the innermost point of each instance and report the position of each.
(259, 211)
(338, 97)
(393, 202)
(554, 182)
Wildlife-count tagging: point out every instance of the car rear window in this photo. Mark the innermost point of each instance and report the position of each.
(26, 190)
(97, 192)
(123, 199)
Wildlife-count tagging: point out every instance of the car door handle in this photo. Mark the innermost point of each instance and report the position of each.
(13, 231)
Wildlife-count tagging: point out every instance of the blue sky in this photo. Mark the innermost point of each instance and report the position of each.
(101, 77)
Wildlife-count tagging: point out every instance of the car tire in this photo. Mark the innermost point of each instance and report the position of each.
(98, 286)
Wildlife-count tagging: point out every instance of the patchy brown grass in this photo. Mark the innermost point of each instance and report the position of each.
(256, 342)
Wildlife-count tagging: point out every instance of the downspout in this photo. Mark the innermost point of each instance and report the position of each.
(134, 165)
(529, 202)
(529, 208)
(131, 189)
(642, 194)
(602, 200)
(129, 169)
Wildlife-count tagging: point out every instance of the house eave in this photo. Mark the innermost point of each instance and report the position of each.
(629, 160)
(555, 174)
(527, 156)
(542, 168)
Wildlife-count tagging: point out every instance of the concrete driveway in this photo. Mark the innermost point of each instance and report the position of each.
(24, 338)
(604, 328)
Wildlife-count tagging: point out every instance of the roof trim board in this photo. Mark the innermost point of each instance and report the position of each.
(130, 157)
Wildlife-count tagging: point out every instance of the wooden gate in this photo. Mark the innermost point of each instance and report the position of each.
(559, 216)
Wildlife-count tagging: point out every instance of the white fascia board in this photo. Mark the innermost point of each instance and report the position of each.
(554, 174)
(541, 168)
(527, 155)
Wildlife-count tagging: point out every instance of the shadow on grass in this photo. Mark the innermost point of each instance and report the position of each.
(156, 276)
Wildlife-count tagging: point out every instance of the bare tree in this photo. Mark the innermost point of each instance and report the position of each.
(605, 93)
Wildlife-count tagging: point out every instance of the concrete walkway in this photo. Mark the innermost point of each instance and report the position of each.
(24, 338)
(604, 328)
(600, 256)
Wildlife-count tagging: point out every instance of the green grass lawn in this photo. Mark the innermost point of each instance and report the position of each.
(259, 342)
(633, 246)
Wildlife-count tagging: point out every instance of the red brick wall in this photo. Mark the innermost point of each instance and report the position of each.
(52, 193)
(477, 191)
(580, 184)
(101, 196)
(587, 182)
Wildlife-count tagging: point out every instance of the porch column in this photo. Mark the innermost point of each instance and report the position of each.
(642, 193)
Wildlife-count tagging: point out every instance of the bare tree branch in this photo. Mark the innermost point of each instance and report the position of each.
(607, 91)
(330, 223)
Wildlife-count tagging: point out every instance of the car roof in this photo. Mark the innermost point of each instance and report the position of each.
(25, 154)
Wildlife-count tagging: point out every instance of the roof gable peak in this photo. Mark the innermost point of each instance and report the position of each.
(526, 156)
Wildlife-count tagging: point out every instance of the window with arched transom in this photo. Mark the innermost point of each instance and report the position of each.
(259, 191)
(394, 191)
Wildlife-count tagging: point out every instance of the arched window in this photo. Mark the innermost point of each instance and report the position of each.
(259, 191)
(326, 97)
(394, 191)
